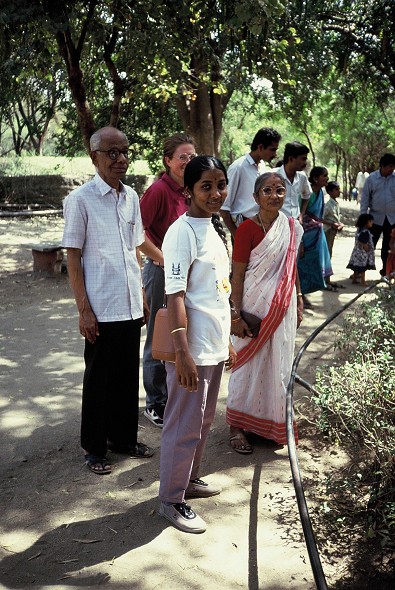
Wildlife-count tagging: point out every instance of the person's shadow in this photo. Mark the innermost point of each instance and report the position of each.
(79, 545)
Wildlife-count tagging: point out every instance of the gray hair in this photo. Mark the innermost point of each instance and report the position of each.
(260, 181)
(95, 140)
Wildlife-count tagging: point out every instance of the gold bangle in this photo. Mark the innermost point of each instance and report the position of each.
(299, 294)
(236, 319)
(177, 330)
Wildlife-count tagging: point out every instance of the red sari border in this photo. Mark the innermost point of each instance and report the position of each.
(266, 428)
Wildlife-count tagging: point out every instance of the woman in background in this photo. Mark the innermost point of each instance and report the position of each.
(314, 262)
(161, 204)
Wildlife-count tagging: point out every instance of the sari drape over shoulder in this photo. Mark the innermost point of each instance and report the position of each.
(313, 270)
(257, 386)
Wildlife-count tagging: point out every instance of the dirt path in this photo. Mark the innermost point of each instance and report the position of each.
(65, 528)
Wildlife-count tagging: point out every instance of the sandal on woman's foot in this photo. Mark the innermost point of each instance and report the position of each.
(245, 448)
(98, 465)
(330, 287)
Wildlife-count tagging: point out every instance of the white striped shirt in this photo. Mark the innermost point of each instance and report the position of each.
(107, 228)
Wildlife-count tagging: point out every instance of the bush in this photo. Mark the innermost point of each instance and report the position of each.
(356, 401)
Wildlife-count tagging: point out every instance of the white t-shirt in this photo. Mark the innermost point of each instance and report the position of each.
(196, 262)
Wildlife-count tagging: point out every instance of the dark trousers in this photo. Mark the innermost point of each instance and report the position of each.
(110, 400)
(154, 372)
(376, 231)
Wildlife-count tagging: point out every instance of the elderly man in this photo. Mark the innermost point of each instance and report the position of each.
(378, 199)
(103, 228)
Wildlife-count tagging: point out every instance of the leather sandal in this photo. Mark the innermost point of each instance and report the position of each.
(245, 448)
(98, 465)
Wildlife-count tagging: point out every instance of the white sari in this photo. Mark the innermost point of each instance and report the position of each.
(257, 386)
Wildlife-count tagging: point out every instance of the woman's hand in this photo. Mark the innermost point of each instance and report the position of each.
(299, 311)
(239, 328)
(231, 360)
(186, 371)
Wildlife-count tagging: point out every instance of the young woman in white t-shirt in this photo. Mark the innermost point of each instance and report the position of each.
(198, 290)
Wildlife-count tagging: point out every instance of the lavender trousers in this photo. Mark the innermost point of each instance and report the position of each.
(187, 420)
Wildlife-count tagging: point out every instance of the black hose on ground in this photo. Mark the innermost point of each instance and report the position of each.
(311, 545)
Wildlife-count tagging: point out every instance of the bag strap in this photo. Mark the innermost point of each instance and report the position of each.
(190, 268)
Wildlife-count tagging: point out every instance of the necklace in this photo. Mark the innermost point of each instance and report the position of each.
(262, 225)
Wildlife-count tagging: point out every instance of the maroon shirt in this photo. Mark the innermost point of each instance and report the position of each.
(161, 204)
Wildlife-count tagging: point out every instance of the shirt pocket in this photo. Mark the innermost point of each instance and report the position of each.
(128, 231)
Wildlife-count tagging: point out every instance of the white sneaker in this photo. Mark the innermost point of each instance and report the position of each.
(182, 517)
(197, 488)
(153, 416)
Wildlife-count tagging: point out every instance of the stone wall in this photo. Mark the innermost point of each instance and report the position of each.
(51, 189)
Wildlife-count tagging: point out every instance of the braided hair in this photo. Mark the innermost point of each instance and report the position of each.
(219, 228)
(192, 174)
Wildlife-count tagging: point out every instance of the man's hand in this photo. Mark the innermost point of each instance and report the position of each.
(89, 328)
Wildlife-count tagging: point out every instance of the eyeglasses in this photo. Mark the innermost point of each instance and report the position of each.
(280, 191)
(186, 157)
(114, 154)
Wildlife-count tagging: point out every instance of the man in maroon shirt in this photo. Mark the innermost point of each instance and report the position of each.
(162, 203)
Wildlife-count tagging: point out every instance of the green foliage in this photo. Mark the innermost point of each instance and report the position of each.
(153, 67)
(356, 402)
(122, 55)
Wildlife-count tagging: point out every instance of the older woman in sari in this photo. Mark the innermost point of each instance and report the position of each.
(264, 278)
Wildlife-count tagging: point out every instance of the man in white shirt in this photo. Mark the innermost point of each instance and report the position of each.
(103, 228)
(242, 174)
(297, 184)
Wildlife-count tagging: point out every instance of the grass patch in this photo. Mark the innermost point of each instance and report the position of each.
(37, 165)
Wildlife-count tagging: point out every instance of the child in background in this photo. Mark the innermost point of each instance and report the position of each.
(362, 256)
(390, 265)
(331, 217)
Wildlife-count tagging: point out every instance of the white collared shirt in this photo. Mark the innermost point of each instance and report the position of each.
(107, 228)
(242, 174)
(298, 189)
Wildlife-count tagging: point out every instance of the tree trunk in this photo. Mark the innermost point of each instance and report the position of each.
(306, 134)
(76, 85)
(202, 112)
(71, 54)
(118, 83)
